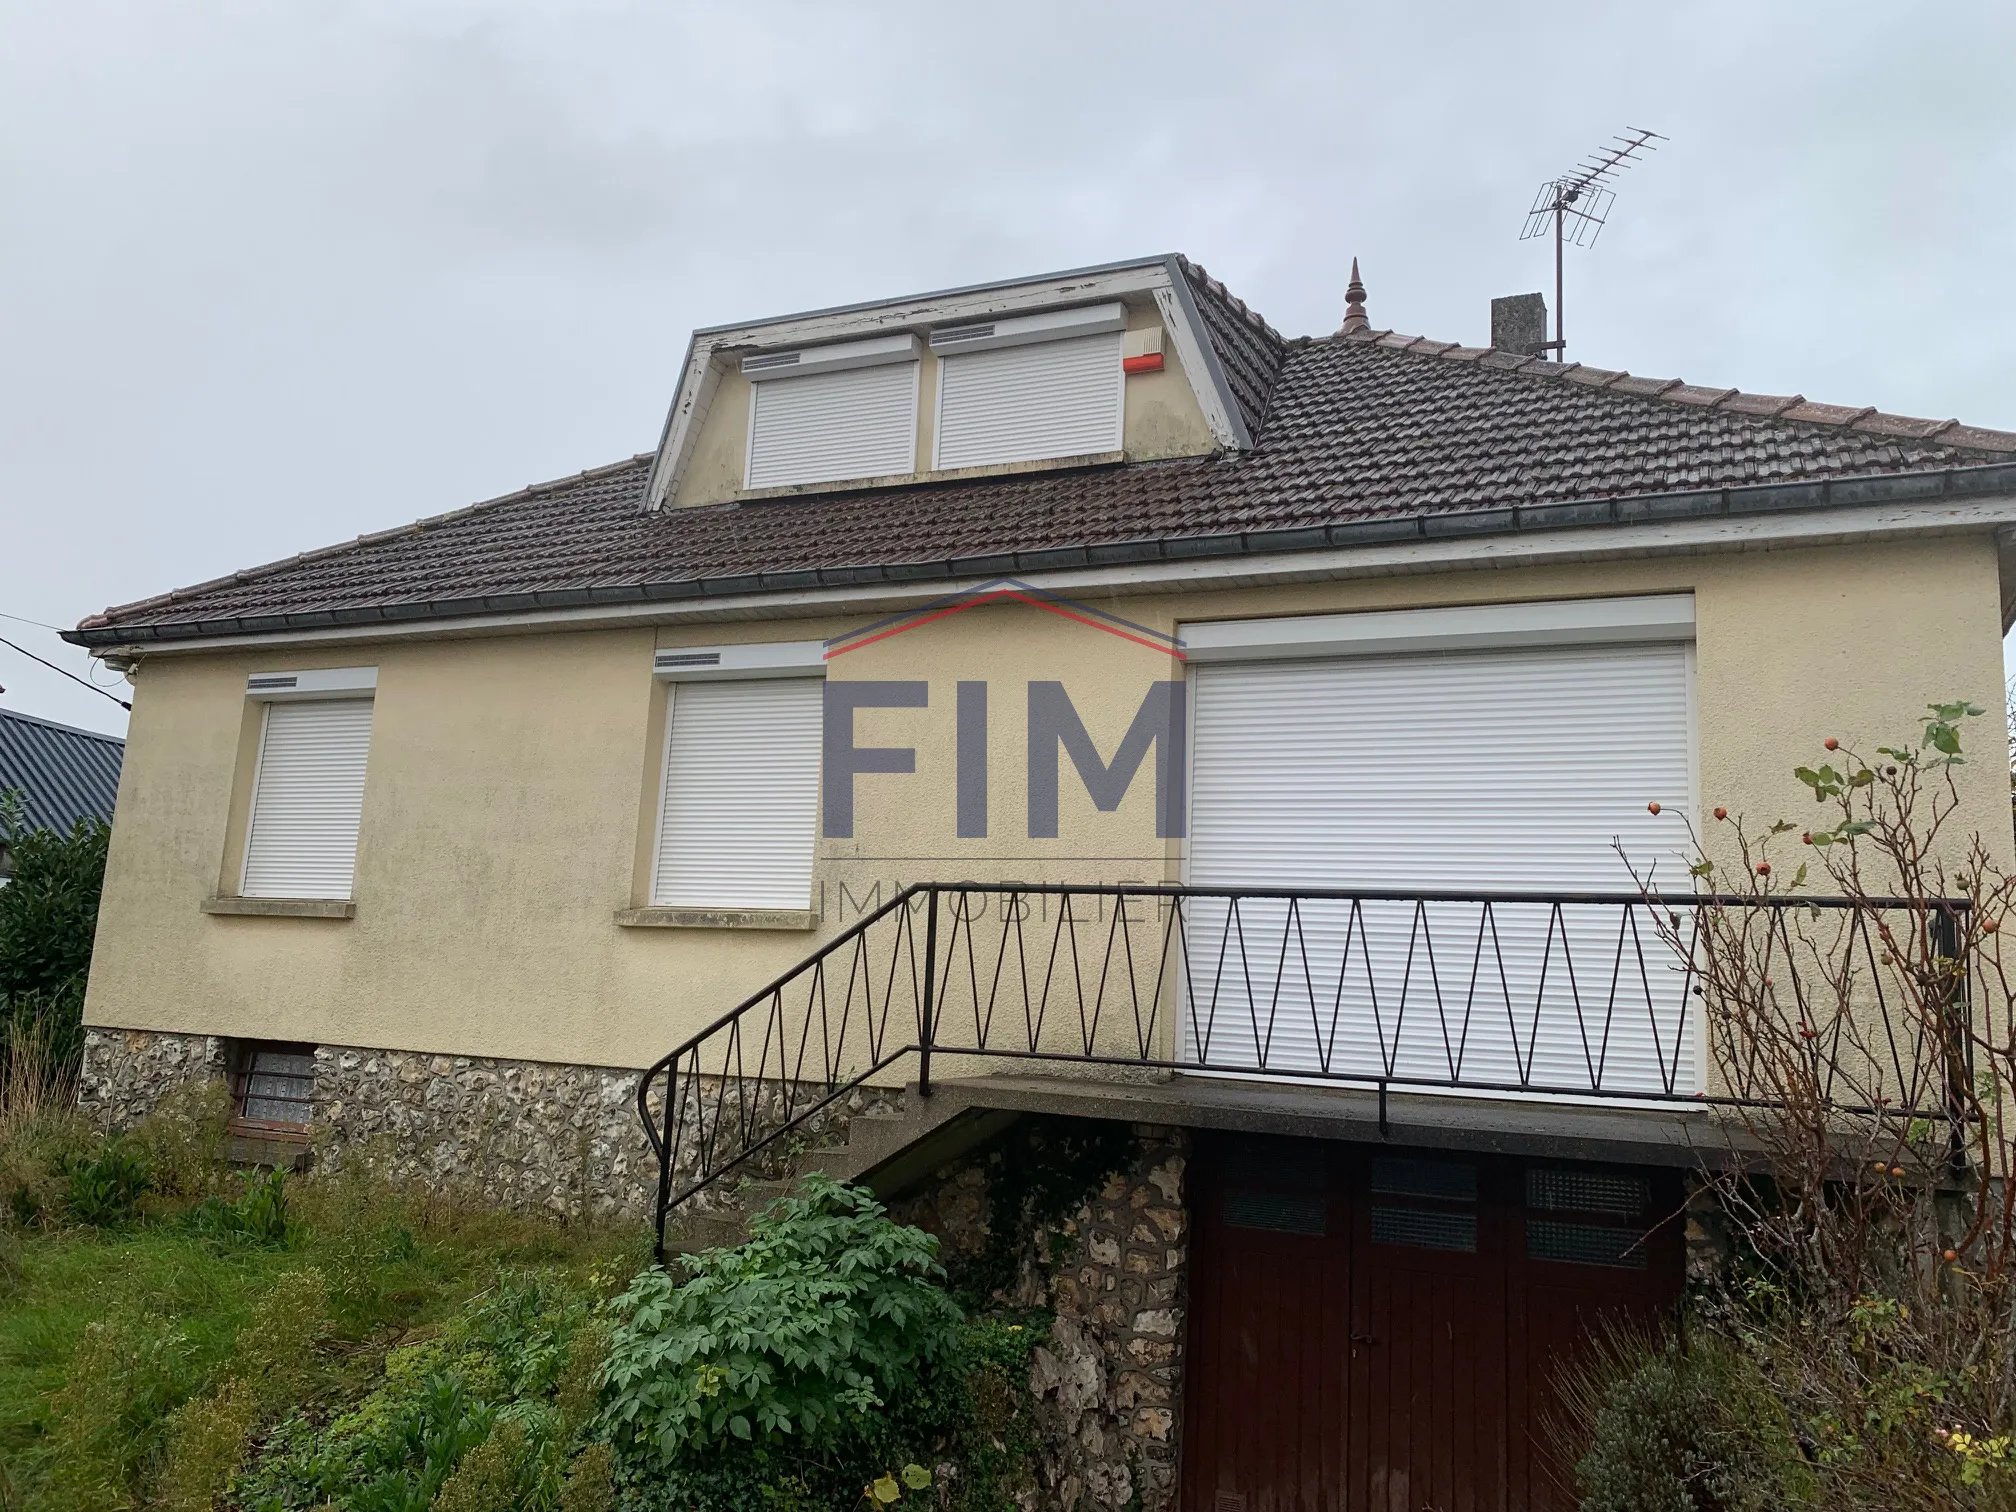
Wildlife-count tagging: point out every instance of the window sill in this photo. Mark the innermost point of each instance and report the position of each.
(718, 918)
(283, 908)
(930, 475)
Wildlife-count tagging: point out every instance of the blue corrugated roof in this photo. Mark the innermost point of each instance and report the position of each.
(66, 774)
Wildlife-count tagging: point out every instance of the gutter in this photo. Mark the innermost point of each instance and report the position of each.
(1478, 525)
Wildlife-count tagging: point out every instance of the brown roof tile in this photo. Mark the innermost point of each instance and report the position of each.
(1352, 432)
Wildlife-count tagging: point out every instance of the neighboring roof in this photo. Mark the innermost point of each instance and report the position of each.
(1369, 436)
(64, 774)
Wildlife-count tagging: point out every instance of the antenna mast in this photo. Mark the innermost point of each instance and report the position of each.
(1576, 205)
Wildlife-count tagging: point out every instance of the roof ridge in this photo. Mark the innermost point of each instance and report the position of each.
(371, 538)
(1794, 407)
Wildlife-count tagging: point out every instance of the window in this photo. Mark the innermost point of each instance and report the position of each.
(307, 799)
(1029, 389)
(272, 1086)
(740, 803)
(829, 414)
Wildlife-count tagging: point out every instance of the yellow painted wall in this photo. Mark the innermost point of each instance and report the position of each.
(509, 778)
(1162, 419)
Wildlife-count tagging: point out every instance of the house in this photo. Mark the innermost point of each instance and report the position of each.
(1063, 696)
(62, 774)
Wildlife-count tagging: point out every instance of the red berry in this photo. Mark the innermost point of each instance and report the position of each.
(1763, 868)
(1831, 743)
(1652, 808)
(1951, 1256)
(1989, 926)
(1721, 813)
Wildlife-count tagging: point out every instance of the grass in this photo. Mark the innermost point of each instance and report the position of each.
(107, 1331)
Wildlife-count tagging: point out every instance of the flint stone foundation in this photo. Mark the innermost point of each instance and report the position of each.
(564, 1139)
(1109, 1381)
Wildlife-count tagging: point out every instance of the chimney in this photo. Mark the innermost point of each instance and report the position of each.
(1354, 305)
(1519, 324)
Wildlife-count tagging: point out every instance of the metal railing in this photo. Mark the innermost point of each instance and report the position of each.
(1541, 994)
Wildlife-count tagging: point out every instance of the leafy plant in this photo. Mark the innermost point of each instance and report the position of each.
(809, 1326)
(104, 1188)
(257, 1216)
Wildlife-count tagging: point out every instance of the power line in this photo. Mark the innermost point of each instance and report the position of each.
(64, 672)
(23, 620)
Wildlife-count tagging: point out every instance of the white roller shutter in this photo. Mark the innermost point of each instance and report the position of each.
(741, 795)
(1474, 771)
(829, 427)
(308, 799)
(1026, 403)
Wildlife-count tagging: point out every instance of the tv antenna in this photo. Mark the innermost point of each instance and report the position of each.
(1576, 206)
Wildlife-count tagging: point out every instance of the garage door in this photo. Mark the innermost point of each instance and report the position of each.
(1467, 771)
(1384, 1328)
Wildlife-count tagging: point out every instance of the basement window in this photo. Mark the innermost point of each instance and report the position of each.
(272, 1088)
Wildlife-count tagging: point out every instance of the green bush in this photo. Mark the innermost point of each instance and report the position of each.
(274, 1363)
(504, 1362)
(1673, 1429)
(127, 1373)
(258, 1215)
(48, 916)
(813, 1323)
(104, 1188)
(830, 1339)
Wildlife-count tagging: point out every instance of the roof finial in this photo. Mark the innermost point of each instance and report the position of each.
(1354, 305)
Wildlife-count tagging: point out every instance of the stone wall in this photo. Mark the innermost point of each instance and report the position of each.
(522, 1134)
(1109, 1382)
(509, 1133)
(127, 1071)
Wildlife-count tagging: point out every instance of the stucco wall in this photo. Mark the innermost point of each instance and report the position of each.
(511, 779)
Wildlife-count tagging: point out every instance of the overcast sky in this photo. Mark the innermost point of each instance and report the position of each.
(276, 274)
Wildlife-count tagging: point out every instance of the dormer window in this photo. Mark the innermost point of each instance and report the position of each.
(831, 414)
(1029, 388)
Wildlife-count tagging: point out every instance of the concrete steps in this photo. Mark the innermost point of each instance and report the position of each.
(883, 1151)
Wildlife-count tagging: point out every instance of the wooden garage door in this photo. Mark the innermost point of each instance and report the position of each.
(1378, 1329)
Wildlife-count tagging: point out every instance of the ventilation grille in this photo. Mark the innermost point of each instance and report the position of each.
(1587, 1192)
(256, 684)
(1585, 1244)
(956, 334)
(1278, 1211)
(1445, 1181)
(1422, 1229)
(689, 659)
(769, 362)
(1229, 1501)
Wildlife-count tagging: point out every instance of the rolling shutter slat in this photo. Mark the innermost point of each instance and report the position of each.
(1027, 403)
(829, 427)
(1483, 771)
(308, 800)
(741, 796)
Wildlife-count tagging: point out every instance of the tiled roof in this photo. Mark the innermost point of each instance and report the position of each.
(63, 774)
(1248, 349)
(1357, 436)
